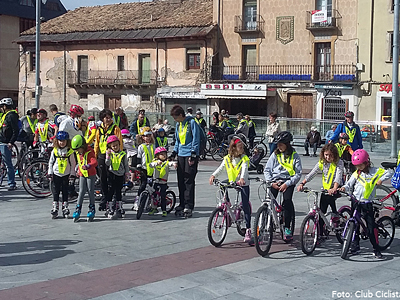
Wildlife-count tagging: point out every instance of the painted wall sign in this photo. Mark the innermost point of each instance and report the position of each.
(386, 88)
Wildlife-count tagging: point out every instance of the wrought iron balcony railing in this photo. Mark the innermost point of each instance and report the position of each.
(319, 20)
(339, 73)
(112, 77)
(249, 26)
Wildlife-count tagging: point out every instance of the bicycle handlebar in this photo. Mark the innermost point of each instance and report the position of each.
(232, 184)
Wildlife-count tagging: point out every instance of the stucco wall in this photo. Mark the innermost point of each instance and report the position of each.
(9, 53)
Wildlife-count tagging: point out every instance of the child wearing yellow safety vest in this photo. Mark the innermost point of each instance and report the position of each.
(106, 129)
(332, 172)
(236, 164)
(44, 128)
(284, 169)
(61, 166)
(363, 183)
(118, 169)
(87, 164)
(145, 156)
(161, 165)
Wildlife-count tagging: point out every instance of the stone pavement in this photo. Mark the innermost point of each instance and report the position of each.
(171, 258)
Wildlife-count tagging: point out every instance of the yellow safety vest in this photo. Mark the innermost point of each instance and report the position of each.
(3, 117)
(287, 163)
(162, 143)
(233, 172)
(341, 148)
(198, 121)
(149, 158)
(138, 126)
(104, 136)
(251, 122)
(162, 169)
(116, 119)
(182, 132)
(351, 133)
(62, 161)
(116, 159)
(220, 123)
(398, 158)
(369, 184)
(89, 137)
(244, 121)
(327, 182)
(82, 162)
(32, 126)
(43, 133)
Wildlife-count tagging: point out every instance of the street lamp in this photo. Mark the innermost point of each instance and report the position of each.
(38, 88)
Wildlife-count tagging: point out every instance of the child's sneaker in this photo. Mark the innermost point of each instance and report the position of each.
(164, 214)
(153, 211)
(54, 211)
(135, 204)
(378, 254)
(287, 235)
(248, 237)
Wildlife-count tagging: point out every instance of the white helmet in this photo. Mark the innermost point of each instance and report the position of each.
(6, 101)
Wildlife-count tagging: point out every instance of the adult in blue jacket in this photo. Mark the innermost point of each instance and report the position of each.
(352, 129)
(187, 148)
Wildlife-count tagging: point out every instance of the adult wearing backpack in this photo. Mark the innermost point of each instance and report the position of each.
(8, 135)
(187, 148)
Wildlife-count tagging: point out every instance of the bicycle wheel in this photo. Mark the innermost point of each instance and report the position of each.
(220, 153)
(382, 194)
(28, 158)
(142, 203)
(15, 156)
(217, 227)
(344, 215)
(348, 238)
(309, 232)
(241, 224)
(263, 230)
(263, 146)
(385, 232)
(35, 181)
(170, 201)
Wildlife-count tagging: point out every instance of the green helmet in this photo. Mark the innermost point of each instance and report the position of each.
(77, 142)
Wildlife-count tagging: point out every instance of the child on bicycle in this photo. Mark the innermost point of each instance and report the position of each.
(131, 151)
(236, 164)
(87, 164)
(145, 156)
(118, 169)
(284, 169)
(161, 165)
(363, 183)
(332, 173)
(61, 166)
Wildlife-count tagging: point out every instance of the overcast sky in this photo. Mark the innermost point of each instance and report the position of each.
(72, 4)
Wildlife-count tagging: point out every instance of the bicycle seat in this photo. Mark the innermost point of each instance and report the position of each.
(389, 165)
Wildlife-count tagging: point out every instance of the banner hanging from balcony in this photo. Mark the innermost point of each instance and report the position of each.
(285, 29)
(319, 16)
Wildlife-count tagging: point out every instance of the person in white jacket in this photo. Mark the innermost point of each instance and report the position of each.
(273, 129)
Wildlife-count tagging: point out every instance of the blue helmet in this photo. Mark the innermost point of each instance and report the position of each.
(62, 135)
(161, 130)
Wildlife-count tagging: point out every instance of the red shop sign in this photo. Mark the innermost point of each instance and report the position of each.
(386, 87)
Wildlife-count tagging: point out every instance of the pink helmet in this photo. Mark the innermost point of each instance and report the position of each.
(125, 132)
(76, 109)
(112, 138)
(159, 150)
(359, 157)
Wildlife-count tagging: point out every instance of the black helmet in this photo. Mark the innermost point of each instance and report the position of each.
(284, 137)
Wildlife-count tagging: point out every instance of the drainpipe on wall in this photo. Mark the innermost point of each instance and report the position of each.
(371, 49)
(65, 79)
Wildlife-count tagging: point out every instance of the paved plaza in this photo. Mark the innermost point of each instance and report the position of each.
(171, 258)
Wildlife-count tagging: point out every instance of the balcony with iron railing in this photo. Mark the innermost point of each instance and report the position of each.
(112, 77)
(330, 20)
(271, 73)
(242, 26)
